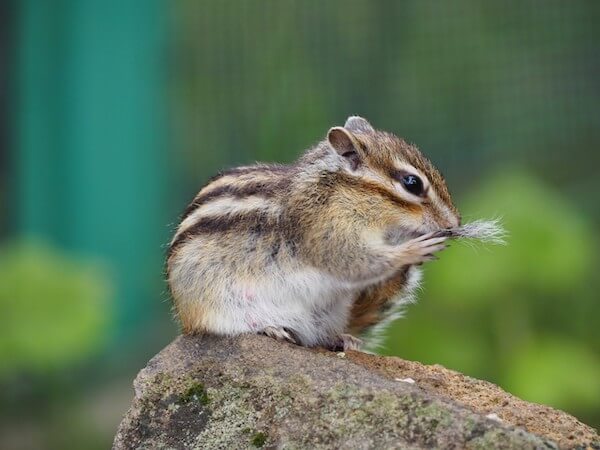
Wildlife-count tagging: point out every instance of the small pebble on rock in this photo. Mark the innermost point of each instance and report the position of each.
(406, 380)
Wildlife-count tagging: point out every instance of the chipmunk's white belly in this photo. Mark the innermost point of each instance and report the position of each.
(310, 303)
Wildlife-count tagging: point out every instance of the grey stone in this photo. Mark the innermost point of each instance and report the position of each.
(252, 391)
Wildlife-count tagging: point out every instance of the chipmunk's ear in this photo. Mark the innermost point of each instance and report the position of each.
(342, 141)
(358, 125)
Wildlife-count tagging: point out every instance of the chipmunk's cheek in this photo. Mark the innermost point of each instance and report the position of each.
(414, 220)
(397, 235)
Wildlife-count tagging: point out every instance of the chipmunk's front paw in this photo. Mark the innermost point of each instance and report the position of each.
(345, 342)
(422, 248)
(279, 333)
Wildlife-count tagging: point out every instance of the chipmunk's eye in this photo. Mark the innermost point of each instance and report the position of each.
(412, 184)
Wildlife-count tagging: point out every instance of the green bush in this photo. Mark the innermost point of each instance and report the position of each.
(54, 309)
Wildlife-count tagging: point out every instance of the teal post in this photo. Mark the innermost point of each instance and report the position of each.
(91, 164)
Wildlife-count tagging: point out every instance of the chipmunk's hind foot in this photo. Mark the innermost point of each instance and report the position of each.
(345, 342)
(279, 333)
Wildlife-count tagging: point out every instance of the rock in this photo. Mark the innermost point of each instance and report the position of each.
(252, 391)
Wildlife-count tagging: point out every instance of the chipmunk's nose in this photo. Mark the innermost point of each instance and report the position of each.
(445, 217)
(451, 219)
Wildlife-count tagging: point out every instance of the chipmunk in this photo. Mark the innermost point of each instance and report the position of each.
(316, 252)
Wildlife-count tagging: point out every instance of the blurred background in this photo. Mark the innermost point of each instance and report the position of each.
(113, 114)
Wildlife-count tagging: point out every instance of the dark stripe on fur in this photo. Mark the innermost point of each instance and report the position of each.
(267, 188)
(375, 189)
(258, 222)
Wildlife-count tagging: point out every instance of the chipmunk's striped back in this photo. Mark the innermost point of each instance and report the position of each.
(239, 198)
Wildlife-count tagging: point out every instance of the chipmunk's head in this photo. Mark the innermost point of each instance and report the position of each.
(397, 171)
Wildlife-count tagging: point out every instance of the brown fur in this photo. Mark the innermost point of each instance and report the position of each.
(191, 317)
(372, 303)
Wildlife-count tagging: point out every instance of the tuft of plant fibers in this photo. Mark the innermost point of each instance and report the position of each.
(489, 231)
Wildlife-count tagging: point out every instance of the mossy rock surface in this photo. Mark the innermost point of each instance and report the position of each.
(254, 392)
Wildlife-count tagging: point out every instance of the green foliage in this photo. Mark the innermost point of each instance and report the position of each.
(53, 309)
(521, 315)
(259, 439)
(549, 247)
(555, 371)
(197, 393)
